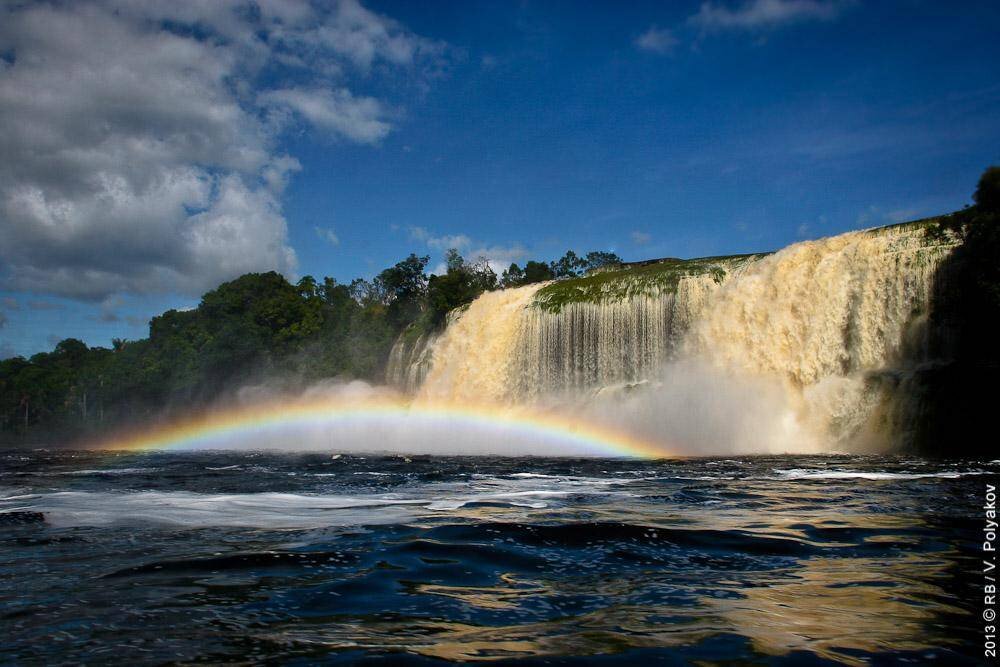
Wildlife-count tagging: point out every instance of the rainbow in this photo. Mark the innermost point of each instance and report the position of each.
(219, 429)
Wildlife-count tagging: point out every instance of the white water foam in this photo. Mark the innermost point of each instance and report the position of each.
(111, 471)
(799, 473)
(290, 510)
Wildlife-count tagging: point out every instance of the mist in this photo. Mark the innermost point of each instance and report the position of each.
(690, 409)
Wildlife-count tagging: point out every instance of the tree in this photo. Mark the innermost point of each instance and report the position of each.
(405, 286)
(536, 272)
(512, 276)
(453, 260)
(365, 292)
(568, 266)
(252, 321)
(337, 297)
(462, 283)
(483, 277)
(406, 279)
(987, 195)
(307, 286)
(600, 260)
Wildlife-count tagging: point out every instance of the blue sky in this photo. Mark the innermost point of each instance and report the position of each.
(335, 140)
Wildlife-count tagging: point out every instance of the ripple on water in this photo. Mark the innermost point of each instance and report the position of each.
(222, 557)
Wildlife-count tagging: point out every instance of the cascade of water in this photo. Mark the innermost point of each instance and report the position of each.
(472, 359)
(587, 345)
(824, 316)
(818, 318)
(821, 308)
(409, 361)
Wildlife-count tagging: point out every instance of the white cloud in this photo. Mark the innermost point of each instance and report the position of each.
(444, 242)
(328, 235)
(764, 14)
(359, 119)
(640, 238)
(458, 241)
(139, 153)
(365, 38)
(498, 257)
(277, 173)
(657, 40)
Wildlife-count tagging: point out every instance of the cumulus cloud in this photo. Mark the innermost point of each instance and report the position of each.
(141, 150)
(498, 257)
(657, 40)
(763, 14)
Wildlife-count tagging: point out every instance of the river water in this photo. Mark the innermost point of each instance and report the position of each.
(226, 557)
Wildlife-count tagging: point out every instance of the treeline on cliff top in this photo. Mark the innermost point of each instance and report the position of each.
(256, 328)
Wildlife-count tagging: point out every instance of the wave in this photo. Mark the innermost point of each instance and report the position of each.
(800, 473)
(111, 471)
(264, 510)
(198, 510)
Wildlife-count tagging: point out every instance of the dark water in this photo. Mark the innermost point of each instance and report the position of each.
(302, 559)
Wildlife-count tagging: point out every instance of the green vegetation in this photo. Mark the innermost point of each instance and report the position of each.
(569, 265)
(631, 280)
(460, 285)
(256, 328)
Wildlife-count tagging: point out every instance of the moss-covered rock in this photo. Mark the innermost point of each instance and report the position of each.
(634, 279)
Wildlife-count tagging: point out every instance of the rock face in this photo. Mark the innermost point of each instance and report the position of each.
(840, 324)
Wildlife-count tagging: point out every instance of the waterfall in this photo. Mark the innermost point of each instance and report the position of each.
(818, 322)
(409, 361)
(821, 308)
(827, 317)
(472, 359)
(612, 342)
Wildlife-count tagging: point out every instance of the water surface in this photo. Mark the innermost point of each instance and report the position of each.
(220, 557)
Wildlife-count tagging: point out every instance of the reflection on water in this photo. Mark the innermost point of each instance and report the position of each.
(835, 607)
(225, 557)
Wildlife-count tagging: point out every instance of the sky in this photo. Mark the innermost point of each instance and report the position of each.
(150, 151)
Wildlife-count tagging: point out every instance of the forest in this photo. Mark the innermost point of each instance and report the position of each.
(256, 328)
